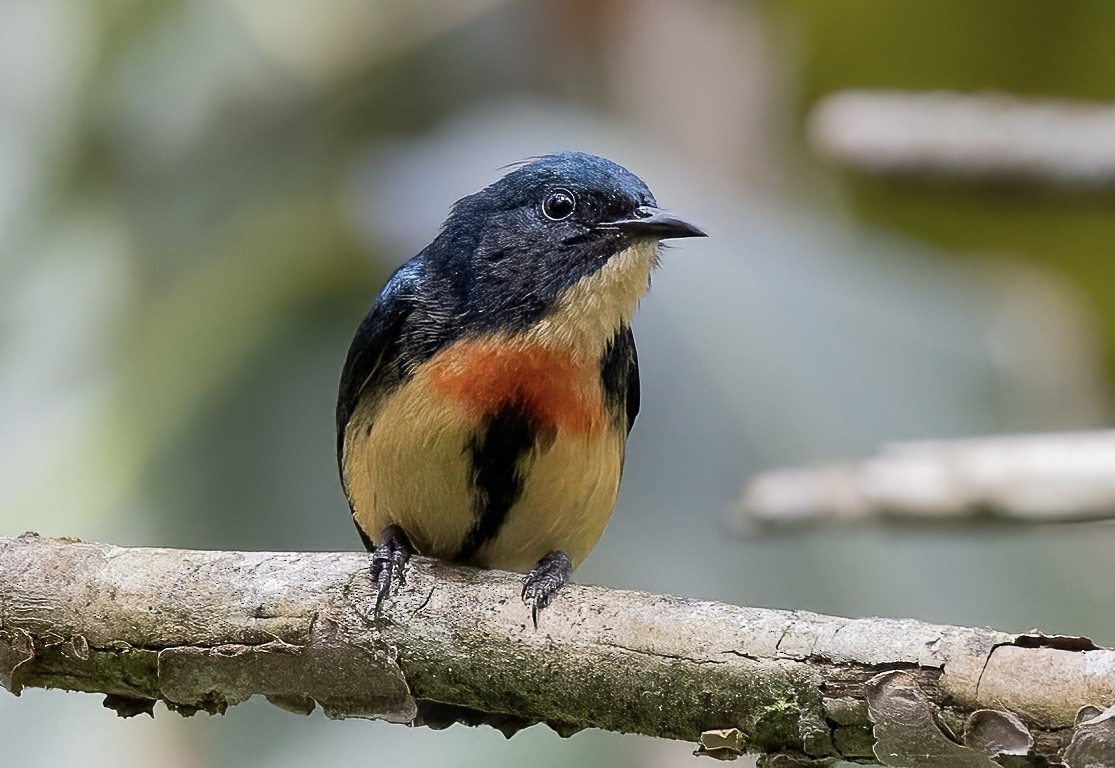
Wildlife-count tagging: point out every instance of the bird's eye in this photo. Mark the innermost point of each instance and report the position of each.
(559, 204)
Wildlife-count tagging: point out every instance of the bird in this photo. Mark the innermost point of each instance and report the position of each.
(486, 398)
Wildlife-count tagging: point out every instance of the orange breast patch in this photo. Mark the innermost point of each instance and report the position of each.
(556, 389)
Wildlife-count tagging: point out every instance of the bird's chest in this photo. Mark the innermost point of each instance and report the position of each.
(447, 448)
(557, 389)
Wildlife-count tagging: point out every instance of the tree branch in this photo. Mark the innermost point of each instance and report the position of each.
(205, 630)
(1050, 477)
(974, 137)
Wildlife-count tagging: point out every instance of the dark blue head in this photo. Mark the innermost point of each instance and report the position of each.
(514, 246)
(563, 192)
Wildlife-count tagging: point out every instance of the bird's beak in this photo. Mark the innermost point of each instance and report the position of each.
(657, 223)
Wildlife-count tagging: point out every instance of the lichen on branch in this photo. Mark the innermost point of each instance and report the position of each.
(202, 630)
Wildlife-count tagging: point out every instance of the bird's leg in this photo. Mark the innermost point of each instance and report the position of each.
(388, 561)
(544, 580)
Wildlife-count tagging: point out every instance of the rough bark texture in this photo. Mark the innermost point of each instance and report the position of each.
(205, 630)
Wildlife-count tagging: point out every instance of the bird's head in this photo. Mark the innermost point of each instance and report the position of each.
(556, 222)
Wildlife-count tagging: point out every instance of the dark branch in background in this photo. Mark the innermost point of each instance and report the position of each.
(1055, 477)
(205, 630)
(976, 137)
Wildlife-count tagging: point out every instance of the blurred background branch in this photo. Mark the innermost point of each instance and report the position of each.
(994, 137)
(202, 631)
(1031, 478)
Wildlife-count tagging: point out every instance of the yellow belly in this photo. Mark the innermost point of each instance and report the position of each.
(568, 496)
(409, 464)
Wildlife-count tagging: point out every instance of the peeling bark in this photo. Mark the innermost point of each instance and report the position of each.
(206, 630)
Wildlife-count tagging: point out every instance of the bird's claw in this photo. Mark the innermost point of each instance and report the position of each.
(389, 561)
(544, 580)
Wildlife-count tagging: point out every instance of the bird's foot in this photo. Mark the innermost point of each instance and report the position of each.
(544, 580)
(389, 561)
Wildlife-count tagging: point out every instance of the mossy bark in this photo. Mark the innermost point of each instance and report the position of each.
(206, 630)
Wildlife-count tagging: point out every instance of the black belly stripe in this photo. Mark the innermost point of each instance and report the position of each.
(496, 454)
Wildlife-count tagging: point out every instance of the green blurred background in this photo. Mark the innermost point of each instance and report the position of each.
(199, 198)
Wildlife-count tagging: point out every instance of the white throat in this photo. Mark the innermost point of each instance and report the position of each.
(589, 312)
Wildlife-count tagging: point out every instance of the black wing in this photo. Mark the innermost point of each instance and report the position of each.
(373, 365)
(619, 371)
